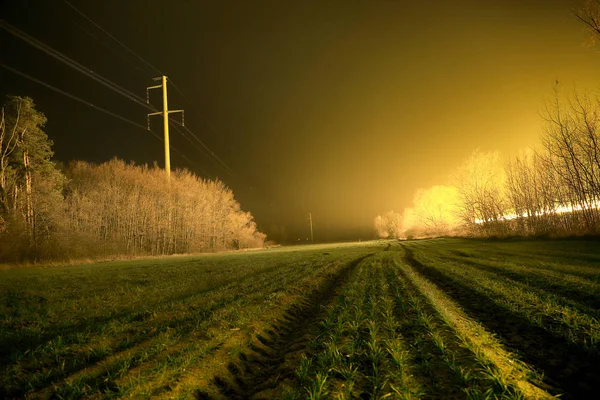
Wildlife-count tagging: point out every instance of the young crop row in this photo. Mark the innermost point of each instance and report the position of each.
(572, 290)
(383, 338)
(410, 322)
(542, 308)
(572, 258)
(356, 351)
(147, 351)
(559, 335)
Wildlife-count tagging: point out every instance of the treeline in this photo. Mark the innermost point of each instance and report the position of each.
(87, 210)
(551, 190)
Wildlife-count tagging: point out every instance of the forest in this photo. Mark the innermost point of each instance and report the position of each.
(83, 210)
(551, 190)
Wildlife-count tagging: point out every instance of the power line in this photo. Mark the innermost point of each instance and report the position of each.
(104, 81)
(138, 57)
(179, 91)
(178, 127)
(227, 168)
(103, 43)
(113, 38)
(204, 146)
(112, 114)
(126, 48)
(204, 118)
(77, 66)
(72, 96)
(73, 64)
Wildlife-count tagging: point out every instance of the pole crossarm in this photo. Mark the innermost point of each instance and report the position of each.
(148, 92)
(182, 115)
(148, 118)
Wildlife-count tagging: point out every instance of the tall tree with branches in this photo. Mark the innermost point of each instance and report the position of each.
(30, 184)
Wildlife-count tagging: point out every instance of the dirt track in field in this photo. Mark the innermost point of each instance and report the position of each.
(273, 357)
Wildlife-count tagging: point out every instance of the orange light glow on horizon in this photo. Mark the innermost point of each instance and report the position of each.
(565, 209)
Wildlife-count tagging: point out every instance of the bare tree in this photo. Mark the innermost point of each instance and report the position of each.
(480, 184)
(389, 225)
(132, 209)
(589, 15)
(435, 210)
(570, 141)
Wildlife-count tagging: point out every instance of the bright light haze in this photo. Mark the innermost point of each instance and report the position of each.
(338, 108)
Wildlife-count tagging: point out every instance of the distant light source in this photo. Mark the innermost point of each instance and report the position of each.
(569, 208)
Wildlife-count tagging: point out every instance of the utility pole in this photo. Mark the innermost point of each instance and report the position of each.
(312, 239)
(165, 113)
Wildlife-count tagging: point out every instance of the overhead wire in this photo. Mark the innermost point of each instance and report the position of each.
(107, 46)
(72, 96)
(141, 59)
(212, 154)
(223, 165)
(113, 38)
(213, 130)
(73, 64)
(226, 167)
(79, 67)
(177, 126)
(111, 85)
(98, 108)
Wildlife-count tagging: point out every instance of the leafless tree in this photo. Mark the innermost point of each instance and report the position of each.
(589, 15)
(389, 225)
(570, 142)
(480, 184)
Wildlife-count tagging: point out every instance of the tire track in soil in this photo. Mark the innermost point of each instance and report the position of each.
(278, 355)
(182, 325)
(93, 324)
(568, 368)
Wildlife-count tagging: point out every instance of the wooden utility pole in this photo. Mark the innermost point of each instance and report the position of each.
(165, 113)
(312, 239)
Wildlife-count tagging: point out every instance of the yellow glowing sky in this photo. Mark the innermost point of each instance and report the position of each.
(398, 96)
(339, 108)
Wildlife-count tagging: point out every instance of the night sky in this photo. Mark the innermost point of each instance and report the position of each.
(339, 108)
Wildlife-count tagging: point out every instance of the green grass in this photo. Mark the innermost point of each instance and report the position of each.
(431, 319)
(82, 329)
(538, 297)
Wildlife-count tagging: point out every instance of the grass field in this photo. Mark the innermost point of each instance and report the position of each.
(434, 319)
